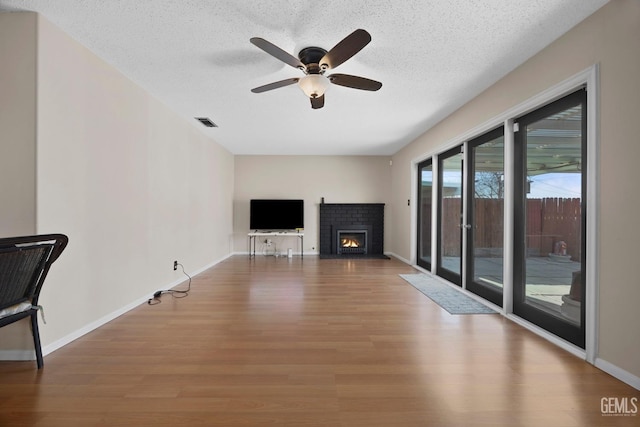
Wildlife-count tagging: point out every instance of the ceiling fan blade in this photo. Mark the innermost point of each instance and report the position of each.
(344, 50)
(317, 102)
(275, 85)
(276, 52)
(354, 82)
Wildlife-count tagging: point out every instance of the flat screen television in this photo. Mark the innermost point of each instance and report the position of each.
(276, 214)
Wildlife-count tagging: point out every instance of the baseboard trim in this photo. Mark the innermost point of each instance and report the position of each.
(619, 373)
(565, 345)
(393, 255)
(608, 367)
(19, 355)
(50, 348)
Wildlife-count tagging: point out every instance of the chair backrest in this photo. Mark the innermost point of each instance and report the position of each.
(24, 264)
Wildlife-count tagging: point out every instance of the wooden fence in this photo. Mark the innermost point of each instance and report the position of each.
(549, 221)
(553, 220)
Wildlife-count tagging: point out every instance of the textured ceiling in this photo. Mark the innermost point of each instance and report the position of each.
(431, 57)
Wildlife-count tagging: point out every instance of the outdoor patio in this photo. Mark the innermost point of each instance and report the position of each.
(547, 279)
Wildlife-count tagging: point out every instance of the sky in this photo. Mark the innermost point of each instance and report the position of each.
(567, 185)
(563, 185)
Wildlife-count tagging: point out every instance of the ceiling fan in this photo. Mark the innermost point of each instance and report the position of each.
(314, 61)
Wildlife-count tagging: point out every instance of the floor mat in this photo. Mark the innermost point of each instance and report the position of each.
(452, 300)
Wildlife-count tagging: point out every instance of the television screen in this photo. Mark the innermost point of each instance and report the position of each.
(280, 214)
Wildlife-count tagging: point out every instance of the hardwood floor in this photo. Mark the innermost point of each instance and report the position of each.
(291, 342)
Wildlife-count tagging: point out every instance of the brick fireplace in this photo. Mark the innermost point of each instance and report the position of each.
(352, 230)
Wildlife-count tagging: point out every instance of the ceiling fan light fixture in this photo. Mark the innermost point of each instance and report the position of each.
(314, 85)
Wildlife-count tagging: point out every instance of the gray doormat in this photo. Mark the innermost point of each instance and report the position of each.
(452, 300)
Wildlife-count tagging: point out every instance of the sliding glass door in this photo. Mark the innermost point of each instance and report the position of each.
(425, 193)
(485, 216)
(547, 189)
(450, 219)
(550, 226)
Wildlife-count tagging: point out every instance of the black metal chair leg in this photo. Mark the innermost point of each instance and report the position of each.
(36, 339)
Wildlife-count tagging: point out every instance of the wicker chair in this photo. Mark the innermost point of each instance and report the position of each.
(24, 264)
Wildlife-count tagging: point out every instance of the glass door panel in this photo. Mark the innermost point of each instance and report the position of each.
(450, 224)
(550, 221)
(425, 192)
(485, 215)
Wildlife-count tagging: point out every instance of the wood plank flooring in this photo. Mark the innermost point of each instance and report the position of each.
(292, 342)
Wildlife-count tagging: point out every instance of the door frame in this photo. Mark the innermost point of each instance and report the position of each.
(451, 276)
(468, 260)
(428, 161)
(542, 318)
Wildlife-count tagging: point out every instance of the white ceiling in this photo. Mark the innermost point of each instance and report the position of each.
(431, 57)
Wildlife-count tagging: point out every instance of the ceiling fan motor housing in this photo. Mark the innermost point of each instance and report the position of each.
(310, 57)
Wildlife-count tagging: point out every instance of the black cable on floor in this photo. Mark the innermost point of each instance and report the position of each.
(175, 293)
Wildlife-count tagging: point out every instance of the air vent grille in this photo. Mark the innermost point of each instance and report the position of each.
(207, 122)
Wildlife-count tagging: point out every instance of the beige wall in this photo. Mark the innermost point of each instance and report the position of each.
(611, 38)
(133, 185)
(339, 179)
(17, 124)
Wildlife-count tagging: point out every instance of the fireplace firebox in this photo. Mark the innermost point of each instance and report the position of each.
(351, 242)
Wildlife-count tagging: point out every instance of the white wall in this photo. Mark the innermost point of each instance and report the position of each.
(611, 38)
(339, 179)
(17, 124)
(133, 185)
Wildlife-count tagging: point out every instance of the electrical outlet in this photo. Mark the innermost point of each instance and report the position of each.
(175, 265)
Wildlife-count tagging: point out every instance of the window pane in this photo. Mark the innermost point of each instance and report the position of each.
(488, 213)
(553, 213)
(451, 215)
(426, 190)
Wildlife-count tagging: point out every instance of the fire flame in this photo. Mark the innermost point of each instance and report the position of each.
(349, 243)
